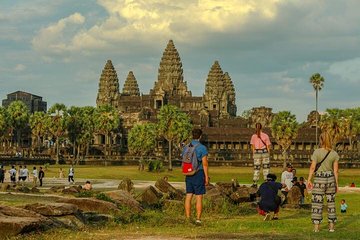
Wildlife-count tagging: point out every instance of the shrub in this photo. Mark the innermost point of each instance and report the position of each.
(155, 165)
(84, 194)
(104, 197)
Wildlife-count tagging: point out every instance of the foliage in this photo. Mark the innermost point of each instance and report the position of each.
(104, 197)
(155, 165)
(173, 125)
(85, 194)
(39, 127)
(4, 124)
(284, 129)
(18, 115)
(317, 81)
(142, 139)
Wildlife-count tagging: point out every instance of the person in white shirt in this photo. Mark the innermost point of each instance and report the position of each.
(286, 178)
(71, 174)
(25, 173)
(12, 173)
(35, 176)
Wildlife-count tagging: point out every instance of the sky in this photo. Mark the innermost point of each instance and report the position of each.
(270, 48)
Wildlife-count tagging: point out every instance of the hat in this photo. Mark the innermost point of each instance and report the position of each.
(288, 165)
(294, 179)
(271, 177)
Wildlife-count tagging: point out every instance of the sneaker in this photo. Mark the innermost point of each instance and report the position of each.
(254, 185)
(198, 222)
(267, 217)
(332, 230)
(275, 218)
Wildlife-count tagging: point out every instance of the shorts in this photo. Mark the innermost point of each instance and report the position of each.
(195, 184)
(22, 178)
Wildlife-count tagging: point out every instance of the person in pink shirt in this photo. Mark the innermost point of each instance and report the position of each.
(260, 146)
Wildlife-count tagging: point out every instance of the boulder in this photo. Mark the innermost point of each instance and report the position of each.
(53, 209)
(94, 218)
(72, 190)
(92, 205)
(215, 196)
(23, 189)
(226, 188)
(166, 187)
(127, 185)
(242, 194)
(73, 222)
(4, 187)
(293, 196)
(14, 221)
(150, 197)
(125, 200)
(35, 190)
(55, 189)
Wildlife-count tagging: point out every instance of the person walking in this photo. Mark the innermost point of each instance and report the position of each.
(41, 176)
(325, 182)
(34, 176)
(12, 173)
(260, 146)
(2, 174)
(71, 175)
(195, 184)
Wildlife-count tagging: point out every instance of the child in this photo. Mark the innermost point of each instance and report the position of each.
(343, 206)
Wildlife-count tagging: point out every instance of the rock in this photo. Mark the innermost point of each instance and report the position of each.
(14, 221)
(92, 205)
(127, 185)
(209, 187)
(215, 196)
(53, 209)
(72, 190)
(94, 218)
(166, 187)
(226, 188)
(23, 189)
(242, 194)
(55, 189)
(35, 190)
(70, 221)
(4, 187)
(150, 197)
(293, 196)
(125, 200)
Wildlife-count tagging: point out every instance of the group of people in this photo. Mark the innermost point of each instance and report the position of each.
(23, 174)
(322, 179)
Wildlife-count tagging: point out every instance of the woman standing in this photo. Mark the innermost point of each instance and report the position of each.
(325, 182)
(260, 146)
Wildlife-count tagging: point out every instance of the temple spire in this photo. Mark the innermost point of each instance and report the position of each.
(131, 87)
(108, 93)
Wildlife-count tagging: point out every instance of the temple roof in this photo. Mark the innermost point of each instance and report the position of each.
(131, 87)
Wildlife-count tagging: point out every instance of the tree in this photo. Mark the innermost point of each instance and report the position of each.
(284, 129)
(107, 120)
(74, 127)
(173, 125)
(317, 82)
(4, 125)
(57, 125)
(38, 127)
(18, 114)
(142, 140)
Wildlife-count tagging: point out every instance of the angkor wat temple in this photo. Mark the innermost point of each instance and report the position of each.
(227, 135)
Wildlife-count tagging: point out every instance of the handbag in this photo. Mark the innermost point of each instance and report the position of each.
(319, 164)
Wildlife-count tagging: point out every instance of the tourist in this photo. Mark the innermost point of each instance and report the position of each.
(61, 173)
(2, 174)
(325, 182)
(20, 173)
(343, 206)
(25, 174)
(301, 184)
(286, 179)
(260, 146)
(87, 186)
(294, 172)
(269, 199)
(12, 173)
(195, 184)
(35, 176)
(71, 175)
(41, 176)
(352, 184)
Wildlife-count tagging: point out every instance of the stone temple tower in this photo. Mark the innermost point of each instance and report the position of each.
(219, 92)
(170, 81)
(131, 87)
(108, 93)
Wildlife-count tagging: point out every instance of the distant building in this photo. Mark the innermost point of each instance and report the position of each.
(33, 102)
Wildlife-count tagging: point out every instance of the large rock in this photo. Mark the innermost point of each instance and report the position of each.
(4, 187)
(23, 189)
(166, 187)
(56, 189)
(242, 194)
(150, 197)
(127, 185)
(226, 188)
(126, 200)
(92, 205)
(14, 221)
(72, 190)
(294, 195)
(215, 196)
(53, 209)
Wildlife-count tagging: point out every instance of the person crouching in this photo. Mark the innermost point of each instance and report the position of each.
(269, 199)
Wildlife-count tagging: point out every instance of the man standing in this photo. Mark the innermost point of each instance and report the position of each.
(195, 184)
(41, 176)
(286, 179)
(12, 173)
(71, 175)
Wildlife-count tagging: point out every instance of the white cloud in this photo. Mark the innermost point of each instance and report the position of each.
(347, 70)
(19, 67)
(150, 21)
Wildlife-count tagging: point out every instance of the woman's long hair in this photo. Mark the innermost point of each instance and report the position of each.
(325, 140)
(258, 128)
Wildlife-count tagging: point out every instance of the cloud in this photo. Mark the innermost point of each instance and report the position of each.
(347, 70)
(19, 68)
(55, 38)
(149, 21)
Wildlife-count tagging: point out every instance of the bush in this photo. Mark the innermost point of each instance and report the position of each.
(104, 197)
(155, 165)
(84, 194)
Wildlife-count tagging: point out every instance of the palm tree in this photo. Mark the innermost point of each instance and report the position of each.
(173, 125)
(18, 114)
(317, 82)
(4, 126)
(57, 126)
(284, 129)
(38, 127)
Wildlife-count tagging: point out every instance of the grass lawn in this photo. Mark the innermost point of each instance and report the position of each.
(242, 174)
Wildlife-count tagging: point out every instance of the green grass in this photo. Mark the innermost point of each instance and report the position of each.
(242, 174)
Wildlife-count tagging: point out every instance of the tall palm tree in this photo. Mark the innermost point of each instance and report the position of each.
(57, 126)
(38, 127)
(18, 114)
(317, 82)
